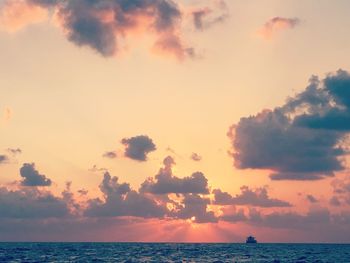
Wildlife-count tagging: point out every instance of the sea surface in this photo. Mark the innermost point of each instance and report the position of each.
(172, 252)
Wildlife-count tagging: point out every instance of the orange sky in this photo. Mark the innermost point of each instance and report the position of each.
(76, 80)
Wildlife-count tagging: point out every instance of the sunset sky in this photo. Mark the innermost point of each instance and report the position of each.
(174, 120)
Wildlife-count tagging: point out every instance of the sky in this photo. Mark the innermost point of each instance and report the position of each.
(174, 120)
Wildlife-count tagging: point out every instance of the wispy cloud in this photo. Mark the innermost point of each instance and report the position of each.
(206, 17)
(17, 14)
(277, 24)
(7, 114)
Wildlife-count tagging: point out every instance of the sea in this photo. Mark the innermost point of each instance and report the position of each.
(173, 252)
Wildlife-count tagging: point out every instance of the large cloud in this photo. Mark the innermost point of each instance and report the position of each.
(121, 200)
(302, 140)
(138, 147)
(30, 203)
(32, 177)
(257, 197)
(165, 182)
(104, 25)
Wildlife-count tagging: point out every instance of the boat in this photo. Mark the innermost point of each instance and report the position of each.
(251, 240)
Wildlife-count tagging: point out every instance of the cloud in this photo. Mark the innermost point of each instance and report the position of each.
(105, 25)
(138, 147)
(14, 151)
(276, 25)
(233, 215)
(7, 114)
(121, 200)
(196, 157)
(95, 169)
(258, 197)
(69, 199)
(17, 14)
(205, 17)
(83, 192)
(99, 24)
(194, 207)
(165, 182)
(32, 177)
(292, 220)
(302, 140)
(3, 158)
(341, 191)
(172, 44)
(110, 155)
(30, 203)
(334, 201)
(311, 199)
(152, 200)
(198, 17)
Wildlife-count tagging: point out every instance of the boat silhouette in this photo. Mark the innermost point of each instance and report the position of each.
(251, 240)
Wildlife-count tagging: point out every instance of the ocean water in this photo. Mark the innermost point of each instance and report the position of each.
(172, 252)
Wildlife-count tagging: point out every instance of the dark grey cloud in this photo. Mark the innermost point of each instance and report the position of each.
(32, 177)
(194, 207)
(198, 17)
(196, 157)
(204, 18)
(30, 203)
(121, 200)
(3, 158)
(301, 140)
(165, 182)
(110, 155)
(103, 24)
(138, 147)
(257, 197)
(167, 14)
